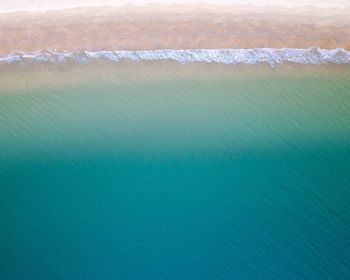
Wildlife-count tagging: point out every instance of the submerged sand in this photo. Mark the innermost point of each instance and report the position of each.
(33, 75)
(175, 27)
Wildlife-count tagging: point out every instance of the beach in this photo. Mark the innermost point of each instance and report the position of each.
(152, 27)
(174, 142)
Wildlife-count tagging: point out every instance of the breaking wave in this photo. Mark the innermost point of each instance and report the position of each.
(227, 56)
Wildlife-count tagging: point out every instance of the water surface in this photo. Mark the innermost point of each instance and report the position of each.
(167, 171)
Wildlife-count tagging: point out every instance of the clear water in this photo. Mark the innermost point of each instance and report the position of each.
(170, 175)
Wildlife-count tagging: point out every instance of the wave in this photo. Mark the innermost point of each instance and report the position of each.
(227, 56)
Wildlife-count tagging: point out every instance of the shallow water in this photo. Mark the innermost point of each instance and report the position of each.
(168, 171)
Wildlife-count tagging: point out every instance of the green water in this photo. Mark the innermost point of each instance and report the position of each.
(206, 176)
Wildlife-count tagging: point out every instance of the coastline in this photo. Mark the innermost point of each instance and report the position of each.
(226, 56)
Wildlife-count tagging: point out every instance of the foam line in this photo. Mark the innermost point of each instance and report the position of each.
(227, 56)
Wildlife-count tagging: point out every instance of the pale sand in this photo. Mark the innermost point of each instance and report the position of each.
(175, 27)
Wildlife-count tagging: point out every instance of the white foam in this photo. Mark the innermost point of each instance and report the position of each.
(227, 56)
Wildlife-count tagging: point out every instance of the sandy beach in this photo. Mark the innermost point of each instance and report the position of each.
(175, 27)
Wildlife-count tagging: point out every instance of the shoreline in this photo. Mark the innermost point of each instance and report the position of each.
(269, 56)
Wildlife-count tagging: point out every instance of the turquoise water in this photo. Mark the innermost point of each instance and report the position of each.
(204, 176)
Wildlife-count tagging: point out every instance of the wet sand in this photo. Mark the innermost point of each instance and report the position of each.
(175, 27)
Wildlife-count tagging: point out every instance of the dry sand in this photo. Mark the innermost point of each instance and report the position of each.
(175, 27)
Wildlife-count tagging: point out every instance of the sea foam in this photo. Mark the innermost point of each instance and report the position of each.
(227, 56)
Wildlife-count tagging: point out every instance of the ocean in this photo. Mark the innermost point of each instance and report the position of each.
(162, 170)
